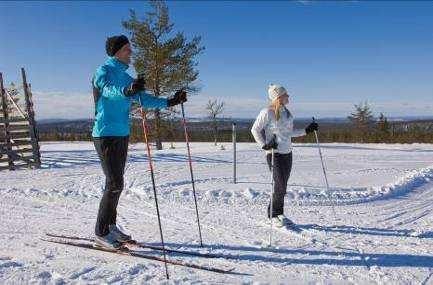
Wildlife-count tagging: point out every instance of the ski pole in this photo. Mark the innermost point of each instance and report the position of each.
(234, 151)
(145, 131)
(323, 168)
(191, 171)
(272, 194)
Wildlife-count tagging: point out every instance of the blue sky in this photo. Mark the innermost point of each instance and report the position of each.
(329, 55)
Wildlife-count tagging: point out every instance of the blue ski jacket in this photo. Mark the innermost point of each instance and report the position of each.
(112, 107)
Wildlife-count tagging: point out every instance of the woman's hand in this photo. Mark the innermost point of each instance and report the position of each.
(312, 127)
(272, 144)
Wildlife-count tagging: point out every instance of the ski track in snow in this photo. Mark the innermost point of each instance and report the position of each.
(381, 234)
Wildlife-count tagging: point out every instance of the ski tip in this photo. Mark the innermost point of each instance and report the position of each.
(231, 271)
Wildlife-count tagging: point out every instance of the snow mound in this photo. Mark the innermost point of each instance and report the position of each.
(345, 196)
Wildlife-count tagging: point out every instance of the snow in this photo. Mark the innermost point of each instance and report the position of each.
(382, 232)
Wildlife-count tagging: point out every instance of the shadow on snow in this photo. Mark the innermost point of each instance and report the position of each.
(337, 258)
(62, 159)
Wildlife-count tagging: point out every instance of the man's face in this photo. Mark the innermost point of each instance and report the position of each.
(124, 54)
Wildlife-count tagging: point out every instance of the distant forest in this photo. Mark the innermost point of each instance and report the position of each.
(375, 131)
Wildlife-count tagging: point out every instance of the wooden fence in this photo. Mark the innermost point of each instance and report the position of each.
(19, 141)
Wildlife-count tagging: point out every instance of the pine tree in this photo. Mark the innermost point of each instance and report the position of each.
(363, 119)
(167, 60)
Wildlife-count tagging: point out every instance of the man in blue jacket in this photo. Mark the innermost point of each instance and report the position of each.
(113, 92)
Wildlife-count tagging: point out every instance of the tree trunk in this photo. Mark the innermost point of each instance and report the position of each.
(158, 130)
(215, 132)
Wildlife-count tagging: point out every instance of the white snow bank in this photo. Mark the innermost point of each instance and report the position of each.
(402, 185)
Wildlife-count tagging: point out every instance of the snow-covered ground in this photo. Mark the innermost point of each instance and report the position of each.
(382, 231)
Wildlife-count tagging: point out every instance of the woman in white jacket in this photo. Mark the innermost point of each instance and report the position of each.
(273, 129)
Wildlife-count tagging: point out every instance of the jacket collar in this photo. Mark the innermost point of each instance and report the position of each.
(112, 61)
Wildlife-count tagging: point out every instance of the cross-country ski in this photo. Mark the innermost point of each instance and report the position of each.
(127, 251)
(136, 244)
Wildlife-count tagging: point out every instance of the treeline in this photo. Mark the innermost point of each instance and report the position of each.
(360, 127)
(345, 132)
(395, 132)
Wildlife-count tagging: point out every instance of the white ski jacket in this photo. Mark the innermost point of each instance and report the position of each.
(266, 126)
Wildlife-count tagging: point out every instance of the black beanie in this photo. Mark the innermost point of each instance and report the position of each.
(114, 44)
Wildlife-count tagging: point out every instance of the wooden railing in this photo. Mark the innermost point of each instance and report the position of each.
(19, 141)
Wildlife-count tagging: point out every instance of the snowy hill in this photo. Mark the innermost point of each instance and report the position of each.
(382, 231)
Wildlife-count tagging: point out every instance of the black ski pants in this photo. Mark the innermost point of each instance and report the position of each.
(282, 169)
(112, 152)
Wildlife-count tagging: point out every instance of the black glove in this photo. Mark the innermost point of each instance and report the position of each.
(312, 127)
(136, 86)
(272, 144)
(178, 98)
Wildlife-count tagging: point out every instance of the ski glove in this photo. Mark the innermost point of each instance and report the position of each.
(312, 127)
(178, 98)
(272, 144)
(136, 86)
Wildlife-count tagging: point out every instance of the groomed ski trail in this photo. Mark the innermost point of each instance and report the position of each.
(368, 243)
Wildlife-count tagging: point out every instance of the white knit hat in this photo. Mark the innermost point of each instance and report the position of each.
(275, 91)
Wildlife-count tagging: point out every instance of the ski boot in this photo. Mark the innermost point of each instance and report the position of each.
(282, 221)
(119, 235)
(108, 241)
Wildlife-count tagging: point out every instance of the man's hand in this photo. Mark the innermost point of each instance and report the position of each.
(136, 86)
(179, 97)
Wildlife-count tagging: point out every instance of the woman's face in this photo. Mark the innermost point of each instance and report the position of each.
(283, 99)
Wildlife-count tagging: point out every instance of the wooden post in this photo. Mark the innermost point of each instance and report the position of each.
(7, 135)
(32, 123)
